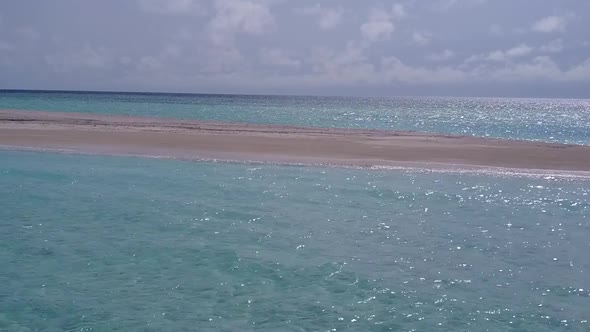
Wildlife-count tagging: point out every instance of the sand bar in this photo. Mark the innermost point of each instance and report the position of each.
(120, 135)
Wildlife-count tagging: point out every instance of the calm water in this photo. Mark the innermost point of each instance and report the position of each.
(552, 120)
(93, 243)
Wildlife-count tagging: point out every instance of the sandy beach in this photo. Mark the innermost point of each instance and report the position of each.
(119, 135)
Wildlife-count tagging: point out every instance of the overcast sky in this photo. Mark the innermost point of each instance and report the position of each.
(320, 47)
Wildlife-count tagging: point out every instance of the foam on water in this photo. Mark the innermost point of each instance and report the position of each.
(93, 243)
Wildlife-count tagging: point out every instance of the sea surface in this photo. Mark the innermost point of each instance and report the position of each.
(99, 243)
(92, 243)
(550, 120)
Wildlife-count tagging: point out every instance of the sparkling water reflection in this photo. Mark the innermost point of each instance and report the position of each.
(100, 243)
(551, 120)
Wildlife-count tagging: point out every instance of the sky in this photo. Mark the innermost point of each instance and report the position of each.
(513, 48)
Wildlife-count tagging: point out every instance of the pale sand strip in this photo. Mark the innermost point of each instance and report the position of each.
(117, 135)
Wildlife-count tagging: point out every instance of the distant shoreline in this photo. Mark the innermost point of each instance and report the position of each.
(186, 139)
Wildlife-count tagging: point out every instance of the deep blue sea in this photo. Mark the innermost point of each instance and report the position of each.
(98, 243)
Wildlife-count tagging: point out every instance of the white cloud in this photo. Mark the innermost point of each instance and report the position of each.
(328, 18)
(351, 67)
(540, 68)
(537, 69)
(239, 16)
(329, 61)
(450, 4)
(379, 26)
(445, 4)
(225, 47)
(497, 56)
(394, 70)
(377, 30)
(347, 67)
(421, 38)
(550, 24)
(276, 57)
(398, 10)
(554, 46)
(171, 6)
(519, 51)
(442, 56)
(503, 55)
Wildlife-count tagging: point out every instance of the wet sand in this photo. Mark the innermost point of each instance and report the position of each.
(120, 135)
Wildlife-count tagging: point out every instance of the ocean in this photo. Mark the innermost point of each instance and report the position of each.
(549, 120)
(99, 243)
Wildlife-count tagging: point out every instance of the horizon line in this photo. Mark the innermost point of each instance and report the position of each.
(16, 90)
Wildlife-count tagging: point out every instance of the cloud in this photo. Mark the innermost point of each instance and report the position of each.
(554, 46)
(550, 24)
(239, 16)
(580, 72)
(537, 69)
(503, 55)
(171, 6)
(328, 18)
(86, 58)
(279, 58)
(540, 68)
(377, 30)
(352, 66)
(394, 70)
(170, 53)
(421, 38)
(325, 60)
(149, 63)
(227, 59)
(398, 11)
(352, 69)
(445, 5)
(442, 56)
(379, 26)
(518, 51)
(262, 41)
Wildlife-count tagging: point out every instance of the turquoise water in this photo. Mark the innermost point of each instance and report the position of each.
(551, 120)
(91, 243)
